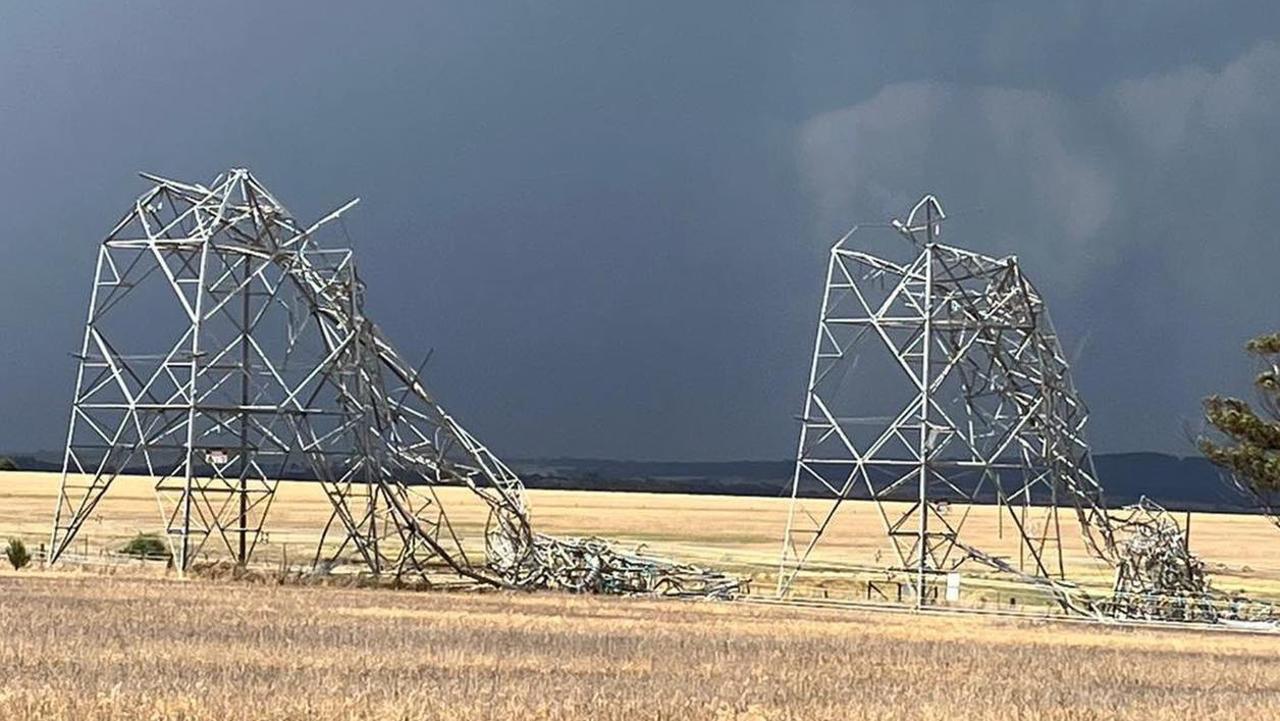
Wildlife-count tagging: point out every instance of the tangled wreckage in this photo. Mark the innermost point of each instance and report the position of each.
(973, 403)
(1159, 579)
(226, 348)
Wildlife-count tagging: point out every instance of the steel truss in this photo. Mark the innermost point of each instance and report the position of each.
(225, 349)
(934, 383)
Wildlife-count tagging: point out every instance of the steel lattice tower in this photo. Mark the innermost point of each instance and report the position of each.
(936, 382)
(225, 349)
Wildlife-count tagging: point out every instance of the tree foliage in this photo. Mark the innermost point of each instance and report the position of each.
(7, 464)
(146, 545)
(1248, 446)
(17, 553)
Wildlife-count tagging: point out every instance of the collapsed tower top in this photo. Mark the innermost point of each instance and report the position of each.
(924, 222)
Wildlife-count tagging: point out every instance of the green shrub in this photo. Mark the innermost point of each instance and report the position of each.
(17, 554)
(7, 464)
(146, 545)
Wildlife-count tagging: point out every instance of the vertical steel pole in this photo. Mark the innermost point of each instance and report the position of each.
(924, 441)
(55, 549)
(245, 294)
(783, 581)
(193, 399)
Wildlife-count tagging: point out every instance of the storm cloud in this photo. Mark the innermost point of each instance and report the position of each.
(610, 221)
(1139, 207)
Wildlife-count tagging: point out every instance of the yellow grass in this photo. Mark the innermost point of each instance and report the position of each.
(81, 646)
(738, 533)
(110, 645)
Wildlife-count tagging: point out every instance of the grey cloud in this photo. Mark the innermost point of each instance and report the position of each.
(1165, 111)
(868, 160)
(596, 215)
(1033, 132)
(1053, 167)
(1141, 208)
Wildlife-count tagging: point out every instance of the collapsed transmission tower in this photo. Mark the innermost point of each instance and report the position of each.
(226, 348)
(936, 384)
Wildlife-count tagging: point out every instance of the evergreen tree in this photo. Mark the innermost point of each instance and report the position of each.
(1249, 446)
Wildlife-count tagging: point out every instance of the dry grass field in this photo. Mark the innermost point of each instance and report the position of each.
(737, 533)
(137, 644)
(84, 646)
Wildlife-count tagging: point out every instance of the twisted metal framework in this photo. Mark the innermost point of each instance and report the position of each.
(1157, 576)
(225, 349)
(593, 565)
(936, 382)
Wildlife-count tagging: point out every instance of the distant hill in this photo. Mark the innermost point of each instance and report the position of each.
(1178, 483)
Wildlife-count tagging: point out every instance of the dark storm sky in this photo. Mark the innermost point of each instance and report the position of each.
(610, 219)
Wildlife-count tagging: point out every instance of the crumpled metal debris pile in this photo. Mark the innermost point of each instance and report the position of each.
(594, 565)
(1158, 578)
